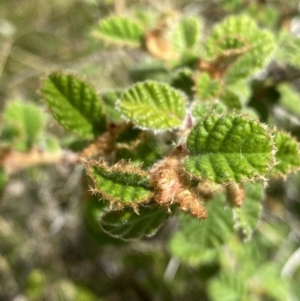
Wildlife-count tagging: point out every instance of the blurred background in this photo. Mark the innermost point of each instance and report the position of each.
(51, 246)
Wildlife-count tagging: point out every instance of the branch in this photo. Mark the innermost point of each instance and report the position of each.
(14, 161)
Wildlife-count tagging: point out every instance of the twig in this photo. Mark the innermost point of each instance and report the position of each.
(14, 161)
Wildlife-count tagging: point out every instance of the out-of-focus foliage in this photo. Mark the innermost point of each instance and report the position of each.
(164, 67)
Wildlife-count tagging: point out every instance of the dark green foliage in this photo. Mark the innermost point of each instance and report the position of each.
(187, 124)
(127, 224)
(122, 184)
(229, 148)
(198, 241)
(74, 104)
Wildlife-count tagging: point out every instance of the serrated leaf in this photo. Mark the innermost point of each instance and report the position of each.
(228, 36)
(227, 287)
(74, 104)
(287, 154)
(186, 34)
(121, 184)
(229, 148)
(198, 240)
(120, 31)
(206, 87)
(239, 43)
(153, 105)
(247, 216)
(126, 224)
(23, 123)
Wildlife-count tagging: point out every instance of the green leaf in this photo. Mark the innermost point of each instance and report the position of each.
(239, 43)
(186, 34)
(146, 152)
(93, 209)
(289, 50)
(74, 104)
(199, 240)
(227, 287)
(50, 143)
(110, 99)
(267, 279)
(35, 284)
(121, 184)
(24, 122)
(289, 98)
(231, 100)
(287, 155)
(247, 216)
(128, 135)
(120, 31)
(241, 89)
(229, 148)
(183, 80)
(266, 15)
(153, 105)
(202, 108)
(126, 224)
(206, 87)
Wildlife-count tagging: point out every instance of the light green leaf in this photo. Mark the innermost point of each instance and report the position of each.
(266, 15)
(121, 184)
(231, 100)
(241, 89)
(239, 43)
(153, 105)
(229, 35)
(289, 50)
(289, 98)
(227, 287)
(126, 224)
(287, 155)
(247, 216)
(202, 108)
(229, 148)
(206, 87)
(120, 31)
(197, 240)
(35, 284)
(74, 104)
(50, 143)
(267, 279)
(25, 122)
(186, 34)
